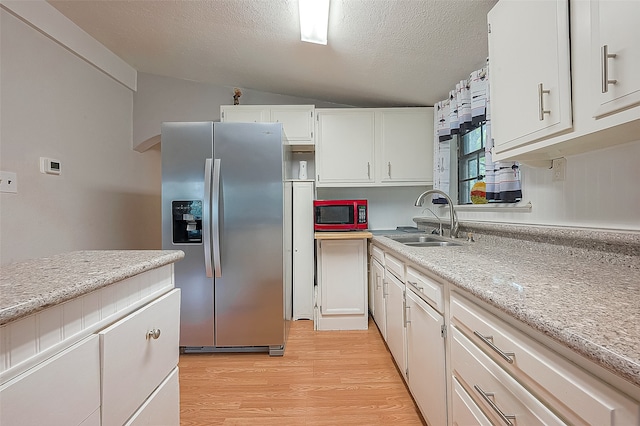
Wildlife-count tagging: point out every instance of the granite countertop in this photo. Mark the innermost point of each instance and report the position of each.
(32, 285)
(586, 299)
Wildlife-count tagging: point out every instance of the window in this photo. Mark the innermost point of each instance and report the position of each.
(471, 165)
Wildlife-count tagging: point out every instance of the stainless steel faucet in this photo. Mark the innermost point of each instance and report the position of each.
(452, 213)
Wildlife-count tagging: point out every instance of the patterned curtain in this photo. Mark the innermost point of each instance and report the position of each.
(467, 107)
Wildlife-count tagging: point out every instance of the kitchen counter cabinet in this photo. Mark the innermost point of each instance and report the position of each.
(58, 315)
(342, 283)
(579, 312)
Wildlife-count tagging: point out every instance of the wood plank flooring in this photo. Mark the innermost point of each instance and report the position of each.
(324, 378)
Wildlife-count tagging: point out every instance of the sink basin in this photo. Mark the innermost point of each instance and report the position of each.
(424, 240)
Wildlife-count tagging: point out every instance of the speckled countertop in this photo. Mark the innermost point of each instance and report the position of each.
(30, 286)
(586, 299)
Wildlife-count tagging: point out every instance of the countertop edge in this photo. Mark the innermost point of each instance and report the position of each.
(38, 302)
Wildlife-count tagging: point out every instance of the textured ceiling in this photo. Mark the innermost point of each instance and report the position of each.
(380, 52)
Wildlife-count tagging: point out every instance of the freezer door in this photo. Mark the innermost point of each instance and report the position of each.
(249, 300)
(185, 149)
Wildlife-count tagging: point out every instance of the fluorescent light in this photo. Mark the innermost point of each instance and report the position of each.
(314, 20)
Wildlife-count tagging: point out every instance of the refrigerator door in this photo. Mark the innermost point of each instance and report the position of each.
(249, 300)
(185, 216)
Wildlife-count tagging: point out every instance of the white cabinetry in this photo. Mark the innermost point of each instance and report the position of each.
(529, 68)
(599, 119)
(374, 146)
(342, 284)
(396, 317)
(345, 150)
(162, 407)
(137, 353)
(297, 120)
(489, 354)
(406, 145)
(378, 289)
(616, 54)
(426, 359)
(63, 390)
(303, 255)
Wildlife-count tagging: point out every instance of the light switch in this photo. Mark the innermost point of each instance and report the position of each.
(8, 182)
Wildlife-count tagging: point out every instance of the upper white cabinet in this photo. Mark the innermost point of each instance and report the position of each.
(615, 54)
(404, 135)
(529, 68)
(374, 147)
(345, 150)
(603, 113)
(297, 120)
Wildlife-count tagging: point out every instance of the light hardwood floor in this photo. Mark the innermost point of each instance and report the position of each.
(324, 378)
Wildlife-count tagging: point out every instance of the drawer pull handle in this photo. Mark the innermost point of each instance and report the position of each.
(506, 418)
(420, 289)
(541, 110)
(153, 334)
(507, 356)
(606, 81)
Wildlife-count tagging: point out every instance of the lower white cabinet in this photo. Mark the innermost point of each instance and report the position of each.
(137, 353)
(63, 390)
(162, 407)
(342, 284)
(379, 297)
(426, 359)
(465, 410)
(396, 321)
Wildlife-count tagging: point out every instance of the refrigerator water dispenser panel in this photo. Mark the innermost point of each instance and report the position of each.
(187, 221)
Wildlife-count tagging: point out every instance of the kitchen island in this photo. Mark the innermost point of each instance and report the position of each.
(579, 301)
(90, 337)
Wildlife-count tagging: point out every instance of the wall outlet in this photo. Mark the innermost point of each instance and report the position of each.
(559, 169)
(8, 182)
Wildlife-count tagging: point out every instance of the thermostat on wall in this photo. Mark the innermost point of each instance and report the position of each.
(50, 166)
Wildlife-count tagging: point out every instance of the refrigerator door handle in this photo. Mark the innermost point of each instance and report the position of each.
(216, 218)
(206, 226)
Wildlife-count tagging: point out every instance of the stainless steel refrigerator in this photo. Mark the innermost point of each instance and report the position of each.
(223, 205)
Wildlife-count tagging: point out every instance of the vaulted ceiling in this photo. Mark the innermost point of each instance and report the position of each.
(380, 52)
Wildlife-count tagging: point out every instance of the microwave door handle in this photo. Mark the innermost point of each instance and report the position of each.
(206, 226)
(216, 218)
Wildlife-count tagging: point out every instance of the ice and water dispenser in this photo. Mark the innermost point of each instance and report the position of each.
(187, 221)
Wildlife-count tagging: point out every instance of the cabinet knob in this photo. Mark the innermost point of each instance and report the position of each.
(153, 334)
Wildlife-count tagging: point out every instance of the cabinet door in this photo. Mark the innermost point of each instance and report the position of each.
(63, 390)
(406, 138)
(529, 71)
(344, 277)
(135, 363)
(396, 321)
(303, 256)
(464, 410)
(379, 297)
(162, 407)
(297, 123)
(344, 148)
(614, 27)
(244, 114)
(425, 359)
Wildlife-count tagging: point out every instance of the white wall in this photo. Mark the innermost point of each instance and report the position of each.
(601, 190)
(55, 104)
(161, 99)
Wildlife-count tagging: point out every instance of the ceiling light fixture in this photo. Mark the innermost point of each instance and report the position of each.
(314, 20)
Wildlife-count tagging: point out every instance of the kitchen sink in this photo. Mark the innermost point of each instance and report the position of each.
(425, 240)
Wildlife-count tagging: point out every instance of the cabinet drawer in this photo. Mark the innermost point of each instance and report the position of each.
(572, 392)
(65, 389)
(465, 410)
(395, 266)
(377, 254)
(134, 364)
(162, 407)
(430, 289)
(493, 388)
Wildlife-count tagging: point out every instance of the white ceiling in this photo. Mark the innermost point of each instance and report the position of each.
(380, 52)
